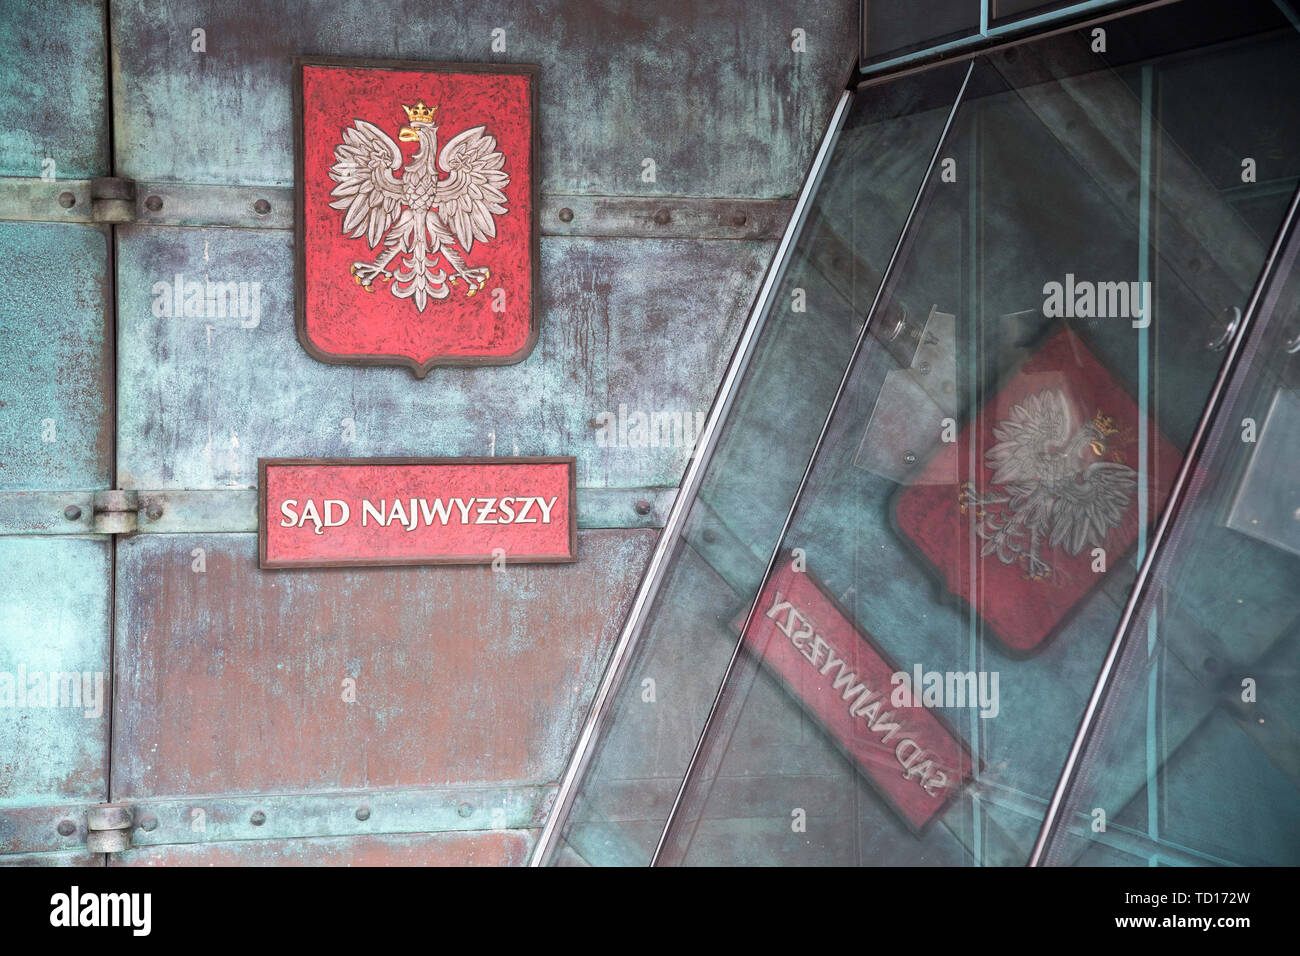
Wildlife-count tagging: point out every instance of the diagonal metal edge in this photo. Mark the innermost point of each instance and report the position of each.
(650, 581)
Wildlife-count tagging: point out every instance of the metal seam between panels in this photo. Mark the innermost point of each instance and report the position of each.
(812, 461)
(630, 635)
(1177, 496)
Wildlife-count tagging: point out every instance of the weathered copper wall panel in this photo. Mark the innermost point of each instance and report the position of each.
(53, 96)
(713, 92)
(53, 619)
(494, 848)
(233, 680)
(647, 324)
(55, 354)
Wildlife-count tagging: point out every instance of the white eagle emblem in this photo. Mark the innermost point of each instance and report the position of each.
(1048, 494)
(422, 217)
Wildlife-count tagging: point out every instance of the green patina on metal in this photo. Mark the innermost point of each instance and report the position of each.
(619, 84)
(54, 607)
(53, 97)
(202, 397)
(55, 405)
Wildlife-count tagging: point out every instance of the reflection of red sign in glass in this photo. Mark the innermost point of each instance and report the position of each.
(910, 754)
(320, 512)
(1050, 505)
(416, 234)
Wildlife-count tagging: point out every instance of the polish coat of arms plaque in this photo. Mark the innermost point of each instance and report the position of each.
(416, 231)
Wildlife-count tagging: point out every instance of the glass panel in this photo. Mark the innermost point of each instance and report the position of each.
(893, 27)
(1006, 438)
(1194, 755)
(815, 316)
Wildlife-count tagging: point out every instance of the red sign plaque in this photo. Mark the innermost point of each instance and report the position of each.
(416, 238)
(331, 512)
(909, 754)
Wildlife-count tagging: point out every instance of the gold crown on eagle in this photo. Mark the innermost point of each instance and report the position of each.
(419, 113)
(1105, 424)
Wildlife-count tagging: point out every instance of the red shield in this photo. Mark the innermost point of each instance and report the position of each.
(416, 234)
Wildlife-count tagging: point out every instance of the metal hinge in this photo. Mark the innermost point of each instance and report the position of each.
(116, 512)
(108, 827)
(112, 199)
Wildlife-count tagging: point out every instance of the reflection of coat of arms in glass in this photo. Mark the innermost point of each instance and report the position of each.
(1037, 500)
(1044, 493)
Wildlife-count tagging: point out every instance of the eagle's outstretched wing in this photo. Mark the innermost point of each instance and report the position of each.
(1040, 422)
(1088, 507)
(364, 164)
(472, 194)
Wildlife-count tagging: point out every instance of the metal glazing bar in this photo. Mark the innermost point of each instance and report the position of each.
(886, 275)
(997, 38)
(676, 521)
(1177, 496)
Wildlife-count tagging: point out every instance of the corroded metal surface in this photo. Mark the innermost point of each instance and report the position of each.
(664, 217)
(630, 327)
(271, 207)
(50, 828)
(53, 620)
(55, 404)
(53, 96)
(232, 680)
(713, 93)
(491, 848)
(47, 512)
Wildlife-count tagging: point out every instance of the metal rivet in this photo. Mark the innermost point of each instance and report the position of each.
(662, 217)
(909, 458)
(148, 823)
(464, 809)
(363, 813)
(72, 512)
(739, 219)
(566, 214)
(261, 207)
(153, 203)
(258, 818)
(643, 507)
(67, 200)
(154, 512)
(67, 828)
